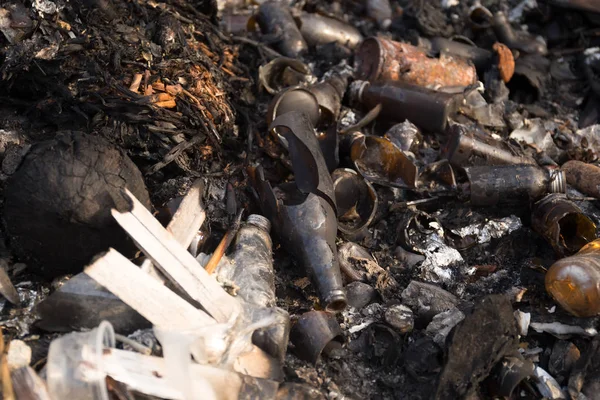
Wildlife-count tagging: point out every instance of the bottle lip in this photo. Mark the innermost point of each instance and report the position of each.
(355, 91)
(336, 301)
(558, 182)
(259, 221)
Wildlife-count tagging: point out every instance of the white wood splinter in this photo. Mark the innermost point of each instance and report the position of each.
(185, 224)
(189, 217)
(145, 374)
(175, 262)
(164, 308)
(153, 300)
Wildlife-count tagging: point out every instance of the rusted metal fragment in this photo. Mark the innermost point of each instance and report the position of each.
(506, 61)
(583, 177)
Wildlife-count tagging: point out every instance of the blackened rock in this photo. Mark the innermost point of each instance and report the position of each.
(423, 359)
(442, 324)
(483, 338)
(58, 203)
(360, 294)
(81, 303)
(427, 300)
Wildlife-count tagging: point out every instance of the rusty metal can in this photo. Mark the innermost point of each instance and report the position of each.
(383, 59)
(275, 18)
(318, 29)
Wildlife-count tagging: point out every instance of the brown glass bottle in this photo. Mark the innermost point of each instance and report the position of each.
(490, 185)
(428, 109)
(574, 282)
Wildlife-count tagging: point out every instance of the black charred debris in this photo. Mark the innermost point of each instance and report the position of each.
(388, 199)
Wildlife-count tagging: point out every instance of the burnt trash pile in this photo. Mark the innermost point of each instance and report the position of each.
(388, 199)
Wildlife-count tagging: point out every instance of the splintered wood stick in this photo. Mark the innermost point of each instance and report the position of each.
(175, 261)
(190, 215)
(164, 308)
(185, 224)
(135, 84)
(153, 300)
(223, 245)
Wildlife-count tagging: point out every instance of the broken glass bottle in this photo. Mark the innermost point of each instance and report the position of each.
(425, 108)
(574, 282)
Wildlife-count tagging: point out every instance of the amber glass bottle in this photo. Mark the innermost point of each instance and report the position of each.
(574, 282)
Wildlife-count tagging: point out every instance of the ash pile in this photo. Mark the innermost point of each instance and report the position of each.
(390, 199)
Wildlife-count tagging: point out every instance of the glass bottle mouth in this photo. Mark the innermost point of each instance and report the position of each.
(355, 91)
(336, 301)
(259, 221)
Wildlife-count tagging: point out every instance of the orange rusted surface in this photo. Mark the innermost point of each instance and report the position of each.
(506, 61)
(380, 59)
